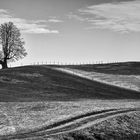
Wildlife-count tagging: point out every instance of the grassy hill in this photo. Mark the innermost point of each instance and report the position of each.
(42, 83)
(123, 68)
(51, 97)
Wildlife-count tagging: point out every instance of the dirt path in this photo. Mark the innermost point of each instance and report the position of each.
(85, 122)
(69, 125)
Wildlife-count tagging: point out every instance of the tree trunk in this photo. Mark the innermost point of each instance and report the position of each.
(4, 64)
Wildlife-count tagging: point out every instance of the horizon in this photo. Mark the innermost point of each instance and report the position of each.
(76, 31)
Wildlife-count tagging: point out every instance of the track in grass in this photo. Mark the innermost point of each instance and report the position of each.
(69, 125)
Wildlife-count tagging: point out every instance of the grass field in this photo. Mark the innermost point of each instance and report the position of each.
(126, 75)
(125, 127)
(122, 68)
(17, 117)
(41, 83)
(131, 82)
(38, 100)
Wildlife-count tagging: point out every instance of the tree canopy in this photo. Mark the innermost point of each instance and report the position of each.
(11, 44)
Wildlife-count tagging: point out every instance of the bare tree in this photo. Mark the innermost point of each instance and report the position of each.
(11, 44)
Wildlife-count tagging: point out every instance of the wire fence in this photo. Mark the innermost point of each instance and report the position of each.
(63, 63)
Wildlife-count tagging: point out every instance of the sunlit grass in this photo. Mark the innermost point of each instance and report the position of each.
(21, 117)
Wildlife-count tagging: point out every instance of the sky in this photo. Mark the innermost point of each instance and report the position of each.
(76, 31)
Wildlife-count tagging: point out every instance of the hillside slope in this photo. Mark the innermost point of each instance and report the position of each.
(123, 68)
(131, 82)
(42, 83)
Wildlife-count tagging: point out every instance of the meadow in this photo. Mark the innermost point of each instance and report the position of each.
(44, 102)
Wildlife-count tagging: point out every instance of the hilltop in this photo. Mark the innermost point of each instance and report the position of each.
(123, 68)
(43, 83)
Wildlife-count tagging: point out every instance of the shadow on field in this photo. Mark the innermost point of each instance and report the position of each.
(42, 83)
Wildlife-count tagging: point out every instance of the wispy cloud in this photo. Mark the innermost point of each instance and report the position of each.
(3, 11)
(53, 20)
(122, 17)
(77, 17)
(28, 26)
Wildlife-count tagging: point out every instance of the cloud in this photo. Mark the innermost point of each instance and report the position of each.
(3, 11)
(77, 17)
(27, 26)
(122, 17)
(55, 20)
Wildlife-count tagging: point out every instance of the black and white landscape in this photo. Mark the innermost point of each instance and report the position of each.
(70, 70)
